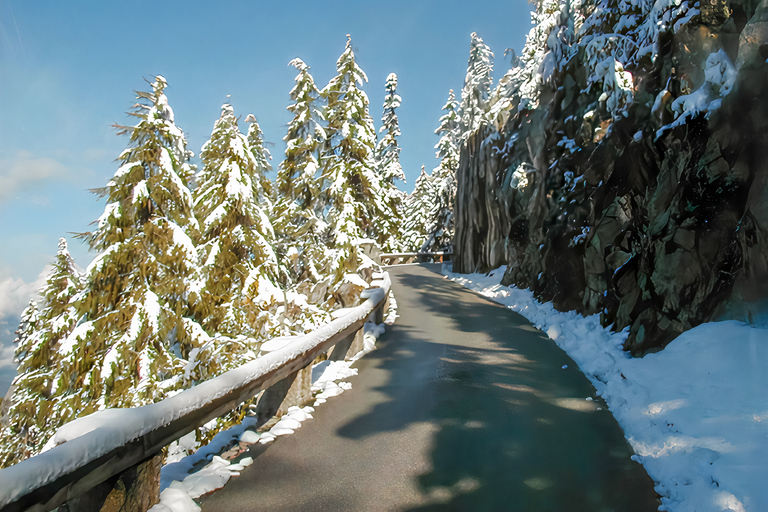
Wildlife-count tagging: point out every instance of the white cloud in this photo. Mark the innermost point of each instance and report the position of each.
(6, 356)
(15, 293)
(24, 171)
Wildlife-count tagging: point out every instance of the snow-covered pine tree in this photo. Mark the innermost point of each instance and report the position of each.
(31, 407)
(388, 227)
(129, 350)
(449, 131)
(24, 343)
(25, 334)
(236, 281)
(298, 185)
(477, 87)
(418, 209)
(255, 138)
(351, 192)
(439, 227)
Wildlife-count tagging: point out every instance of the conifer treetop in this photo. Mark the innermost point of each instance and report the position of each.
(477, 86)
(387, 149)
(447, 146)
(297, 183)
(152, 179)
(255, 139)
(231, 191)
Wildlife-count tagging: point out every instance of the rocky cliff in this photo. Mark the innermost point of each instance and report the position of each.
(644, 200)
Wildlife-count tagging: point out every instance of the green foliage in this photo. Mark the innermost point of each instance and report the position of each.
(298, 219)
(32, 411)
(235, 285)
(129, 348)
(351, 193)
(388, 226)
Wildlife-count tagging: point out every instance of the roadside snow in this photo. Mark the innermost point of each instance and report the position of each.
(696, 413)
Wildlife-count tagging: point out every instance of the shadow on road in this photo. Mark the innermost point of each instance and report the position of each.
(513, 429)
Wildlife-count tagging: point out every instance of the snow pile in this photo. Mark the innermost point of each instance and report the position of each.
(286, 425)
(178, 496)
(325, 385)
(694, 413)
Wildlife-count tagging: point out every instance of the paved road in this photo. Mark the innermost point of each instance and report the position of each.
(464, 406)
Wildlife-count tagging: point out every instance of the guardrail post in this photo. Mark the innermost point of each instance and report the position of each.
(137, 489)
(292, 390)
(347, 347)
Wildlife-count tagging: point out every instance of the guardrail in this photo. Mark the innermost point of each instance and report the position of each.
(400, 258)
(124, 445)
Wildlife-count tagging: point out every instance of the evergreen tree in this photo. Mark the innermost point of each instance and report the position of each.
(237, 278)
(388, 226)
(351, 187)
(255, 138)
(25, 338)
(477, 87)
(297, 182)
(440, 222)
(130, 348)
(418, 211)
(31, 413)
(449, 132)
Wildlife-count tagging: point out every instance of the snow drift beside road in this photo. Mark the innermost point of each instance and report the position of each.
(696, 413)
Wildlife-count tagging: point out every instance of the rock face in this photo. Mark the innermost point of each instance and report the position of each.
(656, 219)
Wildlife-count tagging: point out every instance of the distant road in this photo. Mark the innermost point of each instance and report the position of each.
(464, 406)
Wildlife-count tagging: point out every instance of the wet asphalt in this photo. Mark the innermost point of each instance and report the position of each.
(463, 406)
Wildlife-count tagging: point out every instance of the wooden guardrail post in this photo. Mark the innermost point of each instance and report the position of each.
(292, 390)
(347, 347)
(137, 489)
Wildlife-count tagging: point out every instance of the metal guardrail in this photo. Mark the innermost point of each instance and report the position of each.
(126, 438)
(400, 258)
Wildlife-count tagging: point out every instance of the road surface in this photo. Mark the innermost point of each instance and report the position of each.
(463, 406)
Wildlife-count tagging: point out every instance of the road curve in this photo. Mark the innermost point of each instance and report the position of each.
(464, 406)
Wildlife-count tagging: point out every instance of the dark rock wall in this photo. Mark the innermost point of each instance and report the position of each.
(657, 231)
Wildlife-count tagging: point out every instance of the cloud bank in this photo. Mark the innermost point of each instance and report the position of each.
(23, 171)
(15, 293)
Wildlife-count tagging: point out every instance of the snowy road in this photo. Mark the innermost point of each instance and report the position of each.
(464, 406)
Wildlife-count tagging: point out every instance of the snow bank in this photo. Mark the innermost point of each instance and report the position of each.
(695, 413)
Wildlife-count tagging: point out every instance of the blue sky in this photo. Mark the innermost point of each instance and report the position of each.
(68, 71)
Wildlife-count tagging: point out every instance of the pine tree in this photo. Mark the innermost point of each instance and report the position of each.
(255, 138)
(25, 339)
(477, 87)
(449, 132)
(237, 278)
(131, 347)
(418, 211)
(32, 412)
(443, 178)
(388, 226)
(298, 184)
(351, 187)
